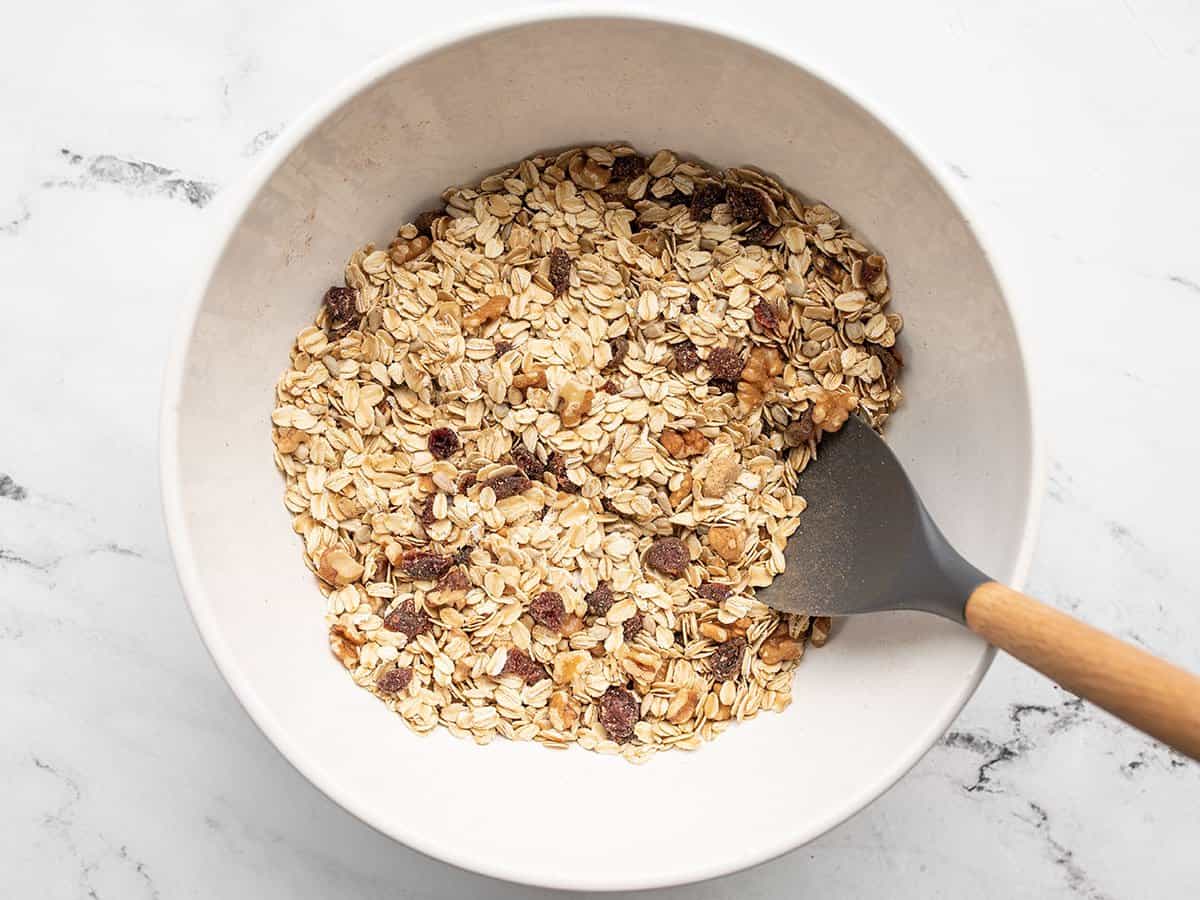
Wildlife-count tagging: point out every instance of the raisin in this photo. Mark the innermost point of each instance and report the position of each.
(669, 556)
(891, 361)
(454, 580)
(632, 627)
(870, 271)
(803, 429)
(619, 711)
(746, 203)
(507, 485)
(693, 304)
(443, 443)
(465, 481)
(502, 347)
(519, 663)
(408, 620)
(462, 556)
(619, 347)
(628, 166)
(765, 316)
(726, 661)
(610, 387)
(676, 198)
(393, 681)
(425, 512)
(714, 591)
(600, 601)
(424, 222)
(704, 199)
(527, 462)
(425, 566)
(686, 357)
(556, 465)
(760, 234)
(341, 311)
(723, 385)
(725, 363)
(827, 266)
(547, 609)
(560, 270)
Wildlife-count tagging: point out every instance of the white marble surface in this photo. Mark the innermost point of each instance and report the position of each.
(130, 771)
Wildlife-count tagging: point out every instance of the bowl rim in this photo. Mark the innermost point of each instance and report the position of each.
(233, 207)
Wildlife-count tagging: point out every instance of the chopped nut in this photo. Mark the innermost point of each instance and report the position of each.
(780, 647)
(681, 493)
(564, 712)
(724, 469)
(714, 632)
(683, 704)
(345, 651)
(569, 664)
(819, 629)
(401, 251)
(685, 444)
(574, 402)
(831, 409)
(641, 664)
(533, 378)
(339, 567)
(492, 308)
(727, 541)
(758, 376)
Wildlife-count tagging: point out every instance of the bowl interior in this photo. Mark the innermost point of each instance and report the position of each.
(866, 707)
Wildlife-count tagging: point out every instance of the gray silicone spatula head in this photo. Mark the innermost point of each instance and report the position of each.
(865, 542)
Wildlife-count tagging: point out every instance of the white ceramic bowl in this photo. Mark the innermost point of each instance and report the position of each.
(376, 153)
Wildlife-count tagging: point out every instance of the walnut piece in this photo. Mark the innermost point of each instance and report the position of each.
(681, 493)
(683, 704)
(723, 470)
(758, 376)
(401, 251)
(339, 567)
(714, 632)
(685, 444)
(780, 647)
(640, 663)
(342, 647)
(831, 409)
(534, 378)
(819, 630)
(727, 541)
(564, 713)
(574, 402)
(569, 663)
(492, 308)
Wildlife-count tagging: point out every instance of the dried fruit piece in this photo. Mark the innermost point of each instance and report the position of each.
(714, 632)
(714, 591)
(408, 620)
(466, 481)
(628, 166)
(632, 627)
(726, 661)
(556, 465)
(502, 347)
(600, 601)
(519, 663)
(425, 566)
(891, 360)
(668, 555)
(462, 556)
(765, 316)
(425, 514)
(727, 541)
(453, 582)
(560, 271)
(424, 222)
(802, 430)
(341, 311)
(619, 712)
(548, 609)
(619, 347)
(443, 443)
(504, 486)
(705, 198)
(746, 203)
(725, 363)
(393, 681)
(723, 385)
(525, 460)
(760, 234)
(686, 357)
(610, 387)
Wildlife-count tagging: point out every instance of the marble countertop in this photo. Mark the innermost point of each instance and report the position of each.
(131, 770)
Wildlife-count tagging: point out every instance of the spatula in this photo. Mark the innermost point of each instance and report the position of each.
(867, 544)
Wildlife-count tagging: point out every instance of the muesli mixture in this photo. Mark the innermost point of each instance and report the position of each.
(543, 447)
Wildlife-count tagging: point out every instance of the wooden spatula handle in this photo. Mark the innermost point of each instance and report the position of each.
(1161, 699)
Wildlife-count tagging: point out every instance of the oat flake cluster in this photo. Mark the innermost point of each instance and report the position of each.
(544, 446)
